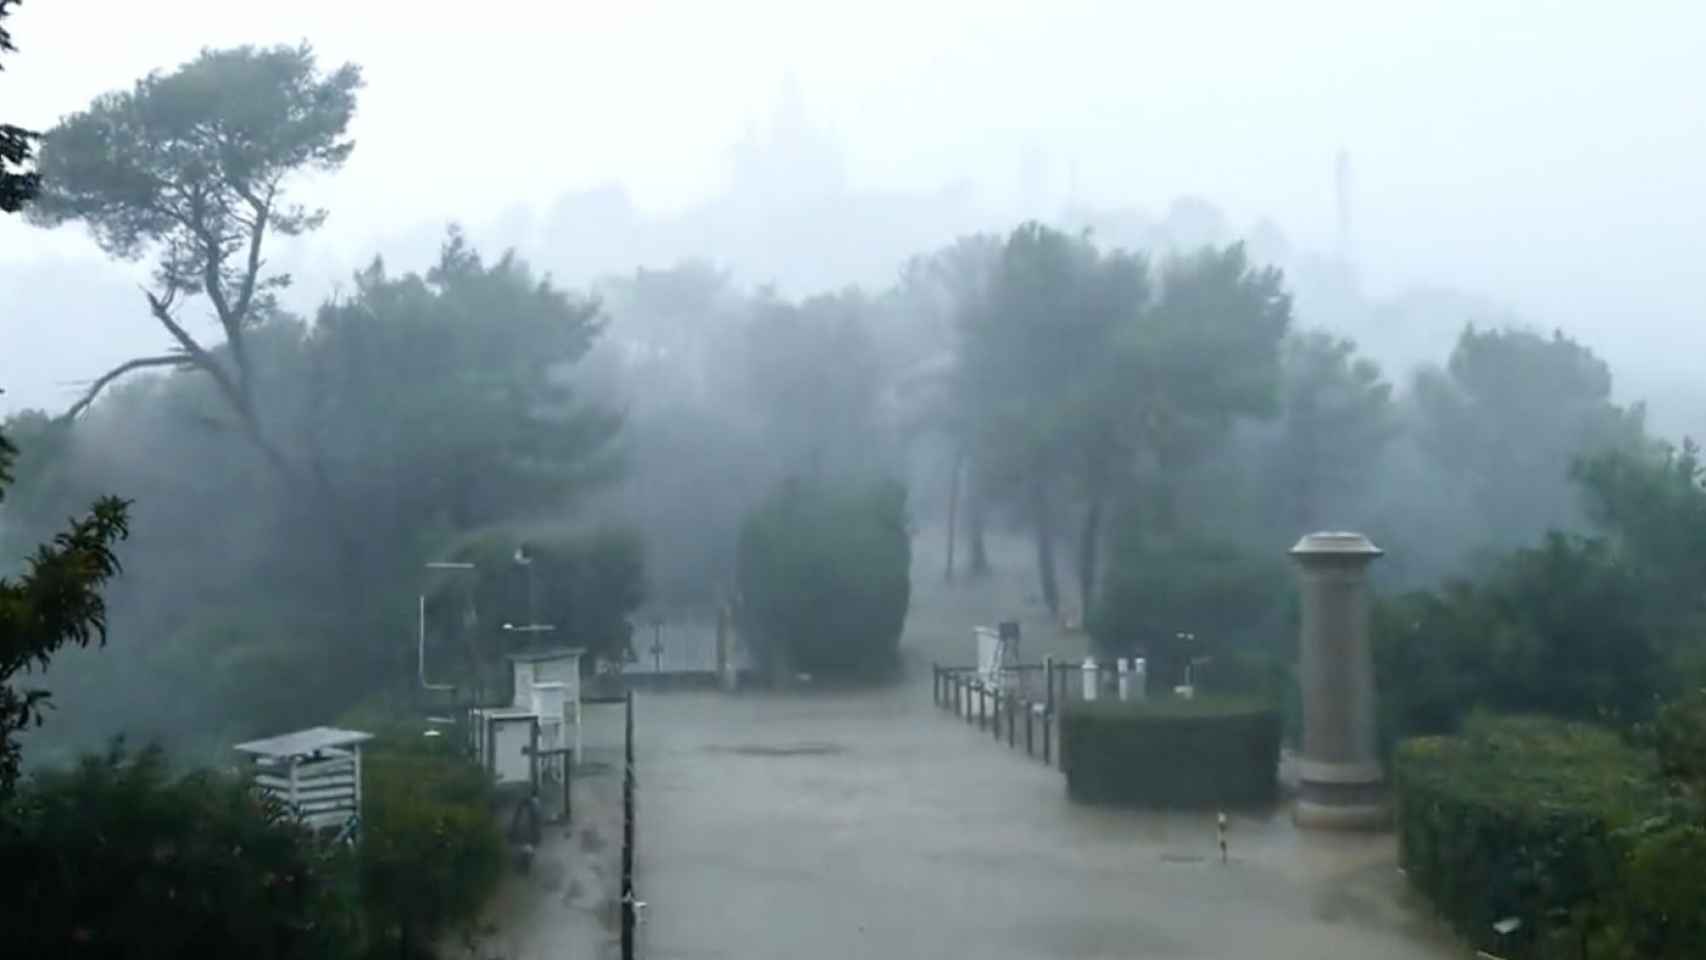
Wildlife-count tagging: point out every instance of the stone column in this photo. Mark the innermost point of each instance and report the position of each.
(1340, 781)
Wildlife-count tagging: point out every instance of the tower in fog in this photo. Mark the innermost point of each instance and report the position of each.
(1342, 195)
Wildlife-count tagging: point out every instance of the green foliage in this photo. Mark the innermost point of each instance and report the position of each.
(440, 398)
(1076, 375)
(117, 857)
(192, 166)
(197, 150)
(812, 378)
(824, 574)
(1563, 826)
(432, 854)
(1225, 598)
(17, 184)
(1558, 629)
(1680, 736)
(420, 409)
(585, 585)
(1505, 421)
(1652, 503)
(1336, 417)
(1205, 752)
(56, 602)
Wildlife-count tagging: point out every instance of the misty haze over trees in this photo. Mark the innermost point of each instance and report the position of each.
(707, 420)
(1114, 389)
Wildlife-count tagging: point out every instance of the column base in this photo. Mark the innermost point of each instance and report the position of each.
(1334, 796)
(1321, 816)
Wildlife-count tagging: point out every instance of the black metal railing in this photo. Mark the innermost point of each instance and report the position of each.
(1031, 695)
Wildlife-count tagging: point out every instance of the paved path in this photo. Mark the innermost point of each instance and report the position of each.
(873, 825)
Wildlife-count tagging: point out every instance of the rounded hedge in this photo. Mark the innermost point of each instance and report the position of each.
(1207, 752)
(824, 570)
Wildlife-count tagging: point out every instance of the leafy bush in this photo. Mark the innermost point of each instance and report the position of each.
(825, 577)
(586, 585)
(1203, 752)
(432, 854)
(117, 857)
(1559, 629)
(1222, 596)
(1563, 826)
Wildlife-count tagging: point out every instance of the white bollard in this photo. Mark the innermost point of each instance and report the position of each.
(1089, 672)
(1140, 679)
(1125, 678)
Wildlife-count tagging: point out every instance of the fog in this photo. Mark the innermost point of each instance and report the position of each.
(413, 355)
(1542, 159)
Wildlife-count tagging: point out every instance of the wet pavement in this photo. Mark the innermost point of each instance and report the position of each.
(874, 825)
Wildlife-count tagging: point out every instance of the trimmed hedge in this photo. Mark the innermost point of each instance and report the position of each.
(1563, 826)
(1204, 752)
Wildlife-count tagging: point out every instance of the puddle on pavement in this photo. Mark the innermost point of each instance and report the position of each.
(810, 749)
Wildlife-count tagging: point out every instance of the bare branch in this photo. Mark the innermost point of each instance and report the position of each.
(167, 360)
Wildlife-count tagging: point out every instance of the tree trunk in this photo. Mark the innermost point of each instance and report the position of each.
(977, 514)
(1044, 528)
(955, 470)
(1089, 555)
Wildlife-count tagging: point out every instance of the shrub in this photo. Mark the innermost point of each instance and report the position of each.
(1558, 629)
(586, 585)
(431, 854)
(1156, 590)
(1203, 752)
(1563, 826)
(825, 577)
(117, 857)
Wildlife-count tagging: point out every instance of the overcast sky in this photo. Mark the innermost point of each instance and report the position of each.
(1552, 155)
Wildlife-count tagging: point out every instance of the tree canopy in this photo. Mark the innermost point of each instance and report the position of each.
(1336, 417)
(193, 168)
(1082, 372)
(1510, 413)
(18, 183)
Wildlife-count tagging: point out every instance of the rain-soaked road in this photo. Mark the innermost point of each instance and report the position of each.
(872, 825)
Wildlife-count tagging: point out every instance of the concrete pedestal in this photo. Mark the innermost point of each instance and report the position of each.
(1341, 785)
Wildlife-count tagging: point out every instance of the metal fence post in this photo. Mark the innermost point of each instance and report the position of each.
(628, 898)
(1048, 722)
(1030, 739)
(995, 714)
(1048, 683)
(936, 683)
(1011, 702)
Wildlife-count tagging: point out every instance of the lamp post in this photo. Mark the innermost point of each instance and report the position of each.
(525, 560)
(420, 626)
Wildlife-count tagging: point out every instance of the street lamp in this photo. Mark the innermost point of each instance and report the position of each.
(524, 559)
(420, 634)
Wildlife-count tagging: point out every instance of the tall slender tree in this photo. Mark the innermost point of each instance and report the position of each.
(193, 169)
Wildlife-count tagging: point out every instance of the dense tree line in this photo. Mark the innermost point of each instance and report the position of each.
(1158, 424)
